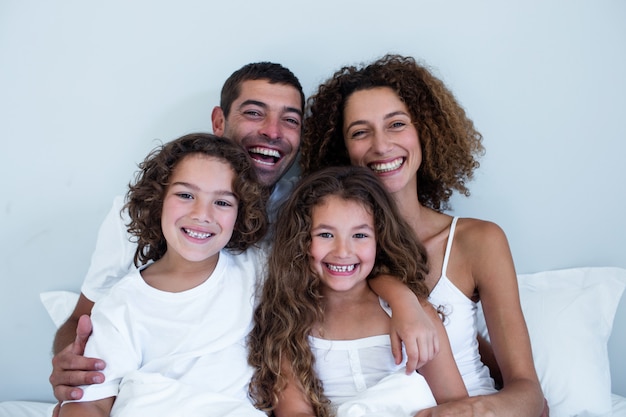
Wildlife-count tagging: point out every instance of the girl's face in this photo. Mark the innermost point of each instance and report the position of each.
(378, 134)
(199, 208)
(343, 243)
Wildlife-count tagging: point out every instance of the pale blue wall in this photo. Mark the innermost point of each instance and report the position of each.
(86, 88)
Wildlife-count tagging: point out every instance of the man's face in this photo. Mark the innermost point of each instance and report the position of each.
(266, 120)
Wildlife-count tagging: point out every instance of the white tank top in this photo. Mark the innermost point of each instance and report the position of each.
(460, 323)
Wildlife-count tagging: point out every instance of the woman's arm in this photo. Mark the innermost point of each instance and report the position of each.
(485, 251)
(409, 324)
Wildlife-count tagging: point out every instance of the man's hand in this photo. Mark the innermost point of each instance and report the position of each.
(71, 369)
(412, 326)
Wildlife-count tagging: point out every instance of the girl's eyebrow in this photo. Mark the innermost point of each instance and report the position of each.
(359, 227)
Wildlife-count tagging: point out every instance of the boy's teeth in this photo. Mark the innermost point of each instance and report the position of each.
(197, 235)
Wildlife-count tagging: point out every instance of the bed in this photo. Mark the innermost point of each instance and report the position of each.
(577, 323)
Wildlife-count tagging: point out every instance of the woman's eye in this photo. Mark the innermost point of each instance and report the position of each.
(357, 134)
(396, 125)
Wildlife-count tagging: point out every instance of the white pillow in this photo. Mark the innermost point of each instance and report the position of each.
(569, 314)
(59, 304)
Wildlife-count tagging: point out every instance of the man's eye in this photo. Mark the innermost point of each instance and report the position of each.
(292, 121)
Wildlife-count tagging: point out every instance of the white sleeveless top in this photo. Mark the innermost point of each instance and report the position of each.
(460, 323)
(361, 374)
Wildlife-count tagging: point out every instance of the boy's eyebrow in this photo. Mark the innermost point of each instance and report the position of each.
(196, 188)
(286, 109)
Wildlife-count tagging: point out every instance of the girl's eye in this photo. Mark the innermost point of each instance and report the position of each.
(325, 235)
(360, 235)
(185, 196)
(223, 203)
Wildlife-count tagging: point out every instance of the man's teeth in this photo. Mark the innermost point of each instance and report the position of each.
(341, 268)
(387, 166)
(265, 151)
(197, 235)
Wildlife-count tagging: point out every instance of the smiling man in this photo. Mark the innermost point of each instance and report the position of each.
(261, 108)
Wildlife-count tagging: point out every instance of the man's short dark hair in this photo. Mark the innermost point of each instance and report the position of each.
(272, 72)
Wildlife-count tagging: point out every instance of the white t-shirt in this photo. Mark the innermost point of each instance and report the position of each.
(194, 339)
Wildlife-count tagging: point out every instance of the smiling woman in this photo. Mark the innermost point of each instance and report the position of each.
(396, 118)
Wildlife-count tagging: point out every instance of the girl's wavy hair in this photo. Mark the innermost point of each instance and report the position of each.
(450, 143)
(144, 200)
(291, 301)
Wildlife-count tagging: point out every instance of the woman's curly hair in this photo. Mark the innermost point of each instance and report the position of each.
(144, 200)
(291, 301)
(450, 143)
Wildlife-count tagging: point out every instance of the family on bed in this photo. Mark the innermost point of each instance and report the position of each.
(221, 287)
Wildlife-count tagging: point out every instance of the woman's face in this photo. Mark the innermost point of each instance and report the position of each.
(378, 134)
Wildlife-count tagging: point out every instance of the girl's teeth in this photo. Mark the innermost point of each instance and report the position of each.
(340, 268)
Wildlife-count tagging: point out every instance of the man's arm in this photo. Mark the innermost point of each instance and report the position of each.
(69, 367)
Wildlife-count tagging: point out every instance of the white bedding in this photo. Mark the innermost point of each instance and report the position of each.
(37, 409)
(569, 314)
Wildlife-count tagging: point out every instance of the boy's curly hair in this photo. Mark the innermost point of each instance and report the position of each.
(450, 143)
(144, 200)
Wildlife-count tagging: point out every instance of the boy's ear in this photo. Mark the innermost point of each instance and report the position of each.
(218, 121)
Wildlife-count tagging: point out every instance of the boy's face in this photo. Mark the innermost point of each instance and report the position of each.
(199, 209)
(266, 120)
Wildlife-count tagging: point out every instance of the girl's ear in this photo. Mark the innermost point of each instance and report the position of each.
(218, 121)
